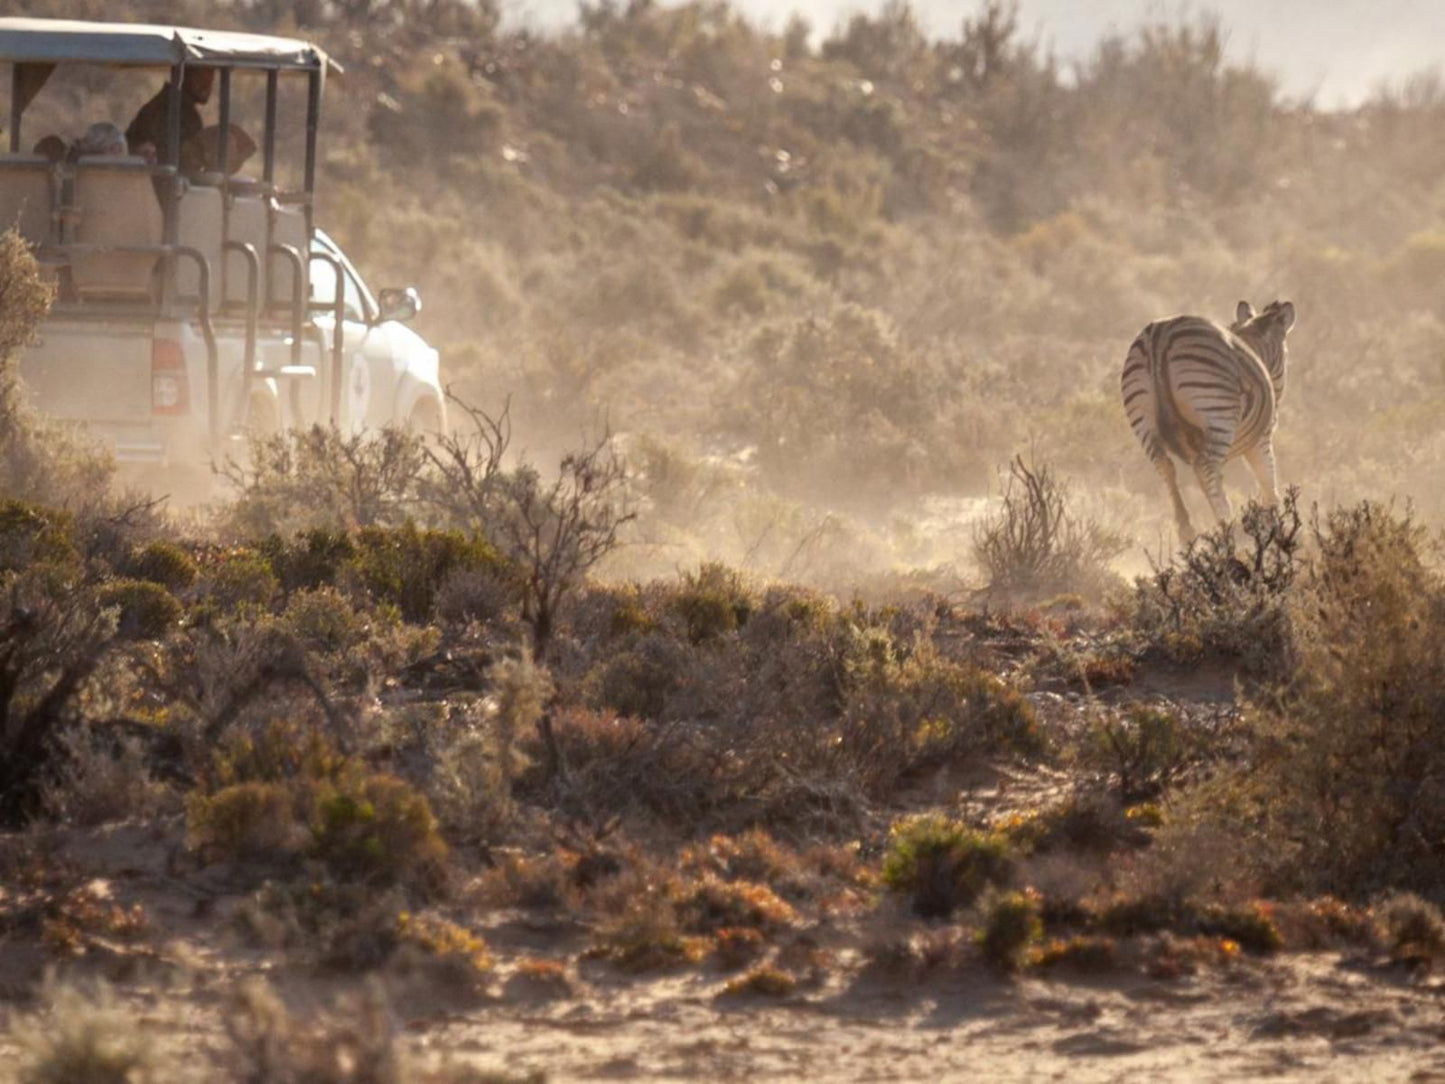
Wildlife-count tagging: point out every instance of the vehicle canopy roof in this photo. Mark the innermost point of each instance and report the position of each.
(50, 41)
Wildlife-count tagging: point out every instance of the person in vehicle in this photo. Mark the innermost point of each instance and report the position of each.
(101, 138)
(51, 147)
(149, 133)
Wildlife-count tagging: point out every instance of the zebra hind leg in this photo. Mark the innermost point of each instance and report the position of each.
(1165, 466)
(1210, 472)
(1261, 461)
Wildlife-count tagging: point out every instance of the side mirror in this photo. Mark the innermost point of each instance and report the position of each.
(399, 304)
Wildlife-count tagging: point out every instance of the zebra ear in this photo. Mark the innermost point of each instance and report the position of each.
(1286, 314)
(1244, 312)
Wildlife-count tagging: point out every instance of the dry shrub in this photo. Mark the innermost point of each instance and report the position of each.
(442, 951)
(244, 822)
(639, 928)
(765, 981)
(1145, 750)
(907, 708)
(84, 1036)
(1412, 928)
(1083, 953)
(41, 460)
(1352, 765)
(287, 790)
(1227, 595)
(1035, 546)
(354, 1044)
(144, 610)
(709, 904)
(101, 777)
(321, 477)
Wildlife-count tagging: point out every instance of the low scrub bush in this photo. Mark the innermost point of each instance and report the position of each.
(1012, 927)
(1411, 927)
(32, 534)
(311, 558)
(354, 1042)
(711, 904)
(163, 563)
(713, 601)
(378, 829)
(443, 950)
(323, 619)
(1228, 594)
(146, 610)
(238, 578)
(643, 933)
(1145, 750)
(942, 865)
(1035, 546)
(1353, 747)
(245, 821)
(85, 1036)
(765, 981)
(406, 566)
(1084, 953)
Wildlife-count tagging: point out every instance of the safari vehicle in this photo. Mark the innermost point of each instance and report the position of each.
(194, 305)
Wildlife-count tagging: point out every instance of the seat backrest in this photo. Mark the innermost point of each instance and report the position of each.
(116, 205)
(25, 195)
(248, 225)
(198, 226)
(288, 227)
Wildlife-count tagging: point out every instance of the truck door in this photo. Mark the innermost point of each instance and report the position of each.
(367, 379)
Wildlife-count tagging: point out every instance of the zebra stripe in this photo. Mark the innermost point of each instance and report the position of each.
(1206, 394)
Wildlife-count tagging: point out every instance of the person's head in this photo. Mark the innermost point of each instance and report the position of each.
(197, 84)
(52, 147)
(101, 138)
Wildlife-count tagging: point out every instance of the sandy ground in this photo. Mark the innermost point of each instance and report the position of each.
(1315, 1017)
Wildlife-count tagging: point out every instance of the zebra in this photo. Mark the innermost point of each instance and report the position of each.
(1208, 394)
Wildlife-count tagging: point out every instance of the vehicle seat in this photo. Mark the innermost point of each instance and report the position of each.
(199, 226)
(116, 205)
(25, 195)
(248, 225)
(288, 227)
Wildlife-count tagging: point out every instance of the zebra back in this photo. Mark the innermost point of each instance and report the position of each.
(1204, 392)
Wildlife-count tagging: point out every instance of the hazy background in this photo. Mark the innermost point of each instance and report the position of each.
(1332, 51)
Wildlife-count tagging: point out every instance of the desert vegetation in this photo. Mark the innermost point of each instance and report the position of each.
(676, 660)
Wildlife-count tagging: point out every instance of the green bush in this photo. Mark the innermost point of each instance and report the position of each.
(406, 565)
(713, 601)
(241, 577)
(379, 829)
(1145, 751)
(1013, 925)
(244, 821)
(1253, 926)
(311, 558)
(164, 563)
(323, 619)
(942, 865)
(147, 610)
(33, 535)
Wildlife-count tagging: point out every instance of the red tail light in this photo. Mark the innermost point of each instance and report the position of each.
(170, 387)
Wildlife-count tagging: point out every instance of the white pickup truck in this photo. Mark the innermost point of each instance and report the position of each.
(196, 306)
